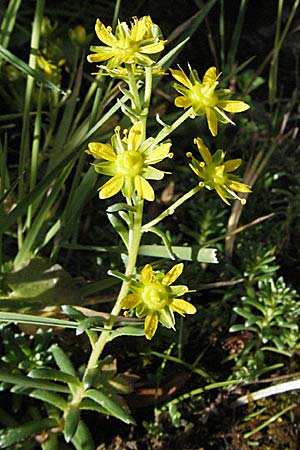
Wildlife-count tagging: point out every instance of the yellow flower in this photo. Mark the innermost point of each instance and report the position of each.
(128, 45)
(216, 174)
(204, 98)
(153, 297)
(128, 161)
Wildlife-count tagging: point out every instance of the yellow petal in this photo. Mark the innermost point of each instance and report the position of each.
(180, 76)
(203, 150)
(130, 301)
(153, 48)
(233, 106)
(147, 274)
(212, 121)
(101, 151)
(182, 307)
(232, 164)
(150, 326)
(103, 34)
(210, 76)
(143, 188)
(221, 193)
(158, 154)
(135, 136)
(138, 30)
(111, 187)
(98, 57)
(173, 274)
(239, 187)
(183, 102)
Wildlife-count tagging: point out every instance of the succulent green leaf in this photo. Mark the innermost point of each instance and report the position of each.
(91, 405)
(12, 436)
(245, 313)
(72, 418)
(193, 253)
(126, 331)
(23, 381)
(120, 207)
(82, 440)
(54, 375)
(50, 397)
(119, 227)
(62, 360)
(112, 408)
(88, 323)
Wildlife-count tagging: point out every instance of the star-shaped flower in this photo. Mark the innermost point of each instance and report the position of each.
(204, 98)
(129, 162)
(128, 45)
(216, 174)
(153, 297)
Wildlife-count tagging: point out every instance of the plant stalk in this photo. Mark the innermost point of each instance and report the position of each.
(135, 234)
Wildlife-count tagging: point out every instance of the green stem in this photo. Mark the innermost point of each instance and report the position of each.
(136, 103)
(169, 211)
(168, 129)
(135, 234)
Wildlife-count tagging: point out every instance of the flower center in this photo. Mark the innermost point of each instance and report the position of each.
(202, 98)
(214, 176)
(130, 163)
(126, 50)
(155, 296)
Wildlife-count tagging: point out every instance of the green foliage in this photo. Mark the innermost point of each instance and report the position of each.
(271, 314)
(21, 354)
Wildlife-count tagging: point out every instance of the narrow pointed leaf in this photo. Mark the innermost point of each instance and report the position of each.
(126, 331)
(25, 68)
(112, 408)
(72, 418)
(206, 255)
(50, 397)
(62, 360)
(21, 380)
(54, 375)
(12, 436)
(83, 440)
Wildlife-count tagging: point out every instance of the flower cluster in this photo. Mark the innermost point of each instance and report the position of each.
(204, 99)
(128, 45)
(128, 161)
(216, 174)
(153, 297)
